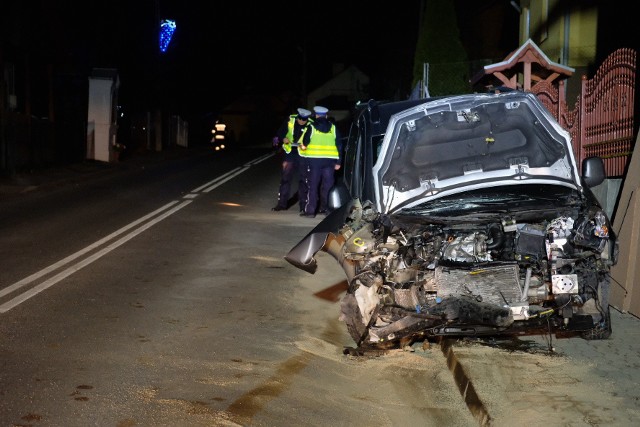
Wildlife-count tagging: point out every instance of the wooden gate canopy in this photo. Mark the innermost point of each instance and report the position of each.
(527, 60)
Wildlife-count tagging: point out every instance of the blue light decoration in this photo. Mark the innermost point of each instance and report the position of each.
(167, 28)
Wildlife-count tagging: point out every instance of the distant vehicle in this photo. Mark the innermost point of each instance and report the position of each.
(219, 135)
(465, 216)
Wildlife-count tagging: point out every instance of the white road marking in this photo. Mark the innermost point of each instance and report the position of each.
(81, 252)
(75, 267)
(83, 263)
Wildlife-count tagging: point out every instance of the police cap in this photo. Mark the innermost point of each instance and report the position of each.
(303, 113)
(321, 111)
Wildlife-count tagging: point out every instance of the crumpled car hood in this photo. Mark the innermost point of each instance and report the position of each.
(446, 146)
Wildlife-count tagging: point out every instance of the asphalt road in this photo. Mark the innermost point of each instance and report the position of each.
(155, 293)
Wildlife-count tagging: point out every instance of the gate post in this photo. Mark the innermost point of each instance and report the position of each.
(582, 127)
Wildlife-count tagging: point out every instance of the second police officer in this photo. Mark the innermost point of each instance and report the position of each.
(322, 148)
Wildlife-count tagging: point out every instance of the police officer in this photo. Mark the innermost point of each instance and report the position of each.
(289, 135)
(322, 147)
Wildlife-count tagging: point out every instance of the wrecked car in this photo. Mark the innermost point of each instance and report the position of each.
(465, 216)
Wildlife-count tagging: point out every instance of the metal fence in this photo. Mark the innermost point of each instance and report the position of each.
(602, 120)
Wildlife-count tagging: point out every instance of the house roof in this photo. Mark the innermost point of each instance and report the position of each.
(350, 82)
(528, 60)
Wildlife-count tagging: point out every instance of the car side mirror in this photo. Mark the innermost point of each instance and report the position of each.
(593, 171)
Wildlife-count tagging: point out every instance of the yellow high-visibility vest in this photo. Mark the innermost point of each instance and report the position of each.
(322, 145)
(289, 136)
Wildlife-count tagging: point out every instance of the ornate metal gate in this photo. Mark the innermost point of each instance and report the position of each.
(602, 121)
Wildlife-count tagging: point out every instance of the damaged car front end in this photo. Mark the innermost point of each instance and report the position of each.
(466, 216)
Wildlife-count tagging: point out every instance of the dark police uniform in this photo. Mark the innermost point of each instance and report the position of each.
(323, 146)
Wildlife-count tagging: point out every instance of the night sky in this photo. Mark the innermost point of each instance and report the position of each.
(225, 49)
(222, 50)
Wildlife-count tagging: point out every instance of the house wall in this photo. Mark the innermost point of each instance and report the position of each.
(626, 274)
(566, 32)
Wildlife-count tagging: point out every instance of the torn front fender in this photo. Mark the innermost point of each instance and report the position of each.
(302, 254)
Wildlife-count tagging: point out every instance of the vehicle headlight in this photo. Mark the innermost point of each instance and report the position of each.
(591, 231)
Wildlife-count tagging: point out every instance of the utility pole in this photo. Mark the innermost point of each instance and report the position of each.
(157, 113)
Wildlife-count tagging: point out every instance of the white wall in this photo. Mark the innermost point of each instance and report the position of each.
(101, 129)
